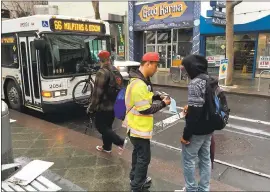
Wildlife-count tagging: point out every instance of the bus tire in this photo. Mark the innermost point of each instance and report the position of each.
(86, 86)
(14, 96)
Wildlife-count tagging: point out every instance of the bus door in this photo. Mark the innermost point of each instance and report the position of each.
(30, 73)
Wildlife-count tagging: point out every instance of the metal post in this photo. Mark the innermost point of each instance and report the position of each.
(259, 84)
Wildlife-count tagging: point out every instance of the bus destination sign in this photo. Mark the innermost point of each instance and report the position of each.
(76, 26)
(8, 40)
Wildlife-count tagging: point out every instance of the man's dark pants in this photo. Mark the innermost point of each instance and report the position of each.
(104, 121)
(141, 158)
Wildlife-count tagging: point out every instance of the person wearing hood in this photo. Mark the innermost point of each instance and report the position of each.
(139, 118)
(197, 135)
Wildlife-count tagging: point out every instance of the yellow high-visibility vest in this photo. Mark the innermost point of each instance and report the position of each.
(138, 98)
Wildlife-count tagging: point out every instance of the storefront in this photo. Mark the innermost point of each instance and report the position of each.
(117, 31)
(169, 28)
(251, 46)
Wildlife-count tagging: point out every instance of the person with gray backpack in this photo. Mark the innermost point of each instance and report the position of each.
(207, 111)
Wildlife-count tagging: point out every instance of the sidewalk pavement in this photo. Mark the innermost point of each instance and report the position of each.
(242, 86)
(77, 160)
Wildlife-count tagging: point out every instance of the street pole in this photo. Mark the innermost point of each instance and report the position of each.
(230, 39)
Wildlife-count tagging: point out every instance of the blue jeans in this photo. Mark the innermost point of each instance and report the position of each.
(199, 146)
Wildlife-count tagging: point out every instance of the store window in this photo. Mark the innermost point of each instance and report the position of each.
(184, 44)
(263, 47)
(164, 36)
(150, 37)
(215, 49)
(9, 52)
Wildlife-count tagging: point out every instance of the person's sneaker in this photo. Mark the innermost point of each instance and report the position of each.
(100, 148)
(148, 180)
(181, 190)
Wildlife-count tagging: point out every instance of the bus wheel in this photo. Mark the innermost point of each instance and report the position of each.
(14, 96)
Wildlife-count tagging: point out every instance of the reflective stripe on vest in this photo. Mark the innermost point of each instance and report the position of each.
(136, 132)
(135, 112)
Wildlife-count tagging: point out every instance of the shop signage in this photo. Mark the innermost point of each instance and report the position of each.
(218, 4)
(162, 10)
(223, 69)
(217, 21)
(121, 46)
(264, 62)
(217, 16)
(215, 60)
(210, 59)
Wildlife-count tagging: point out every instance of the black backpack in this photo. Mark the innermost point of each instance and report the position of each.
(116, 83)
(217, 110)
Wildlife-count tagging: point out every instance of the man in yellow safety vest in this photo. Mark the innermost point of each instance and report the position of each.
(139, 118)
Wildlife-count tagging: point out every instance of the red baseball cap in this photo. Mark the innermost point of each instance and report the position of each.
(150, 56)
(104, 54)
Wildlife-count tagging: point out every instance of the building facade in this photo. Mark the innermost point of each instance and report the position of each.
(176, 29)
(170, 28)
(251, 39)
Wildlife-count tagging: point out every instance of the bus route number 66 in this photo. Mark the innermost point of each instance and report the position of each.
(58, 25)
(53, 86)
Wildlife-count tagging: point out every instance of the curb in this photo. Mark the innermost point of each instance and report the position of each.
(228, 92)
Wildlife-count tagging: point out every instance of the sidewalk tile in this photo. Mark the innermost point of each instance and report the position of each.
(22, 144)
(80, 174)
(85, 161)
(61, 152)
(36, 153)
(25, 137)
(44, 143)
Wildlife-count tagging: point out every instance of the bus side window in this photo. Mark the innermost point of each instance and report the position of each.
(9, 54)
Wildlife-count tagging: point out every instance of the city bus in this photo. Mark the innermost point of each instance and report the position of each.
(44, 57)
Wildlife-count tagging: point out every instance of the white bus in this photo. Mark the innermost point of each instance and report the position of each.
(44, 56)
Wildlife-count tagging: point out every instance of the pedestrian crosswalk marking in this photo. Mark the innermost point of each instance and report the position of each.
(216, 160)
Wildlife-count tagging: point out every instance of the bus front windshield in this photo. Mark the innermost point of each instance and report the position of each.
(71, 54)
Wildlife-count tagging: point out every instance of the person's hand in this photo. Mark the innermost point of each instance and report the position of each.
(185, 109)
(162, 96)
(183, 141)
(167, 100)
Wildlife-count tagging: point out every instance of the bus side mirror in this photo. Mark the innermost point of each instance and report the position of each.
(39, 44)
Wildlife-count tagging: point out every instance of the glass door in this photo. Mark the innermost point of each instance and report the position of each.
(171, 54)
(25, 66)
(162, 51)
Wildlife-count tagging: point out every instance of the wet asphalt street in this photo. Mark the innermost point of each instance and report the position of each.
(242, 148)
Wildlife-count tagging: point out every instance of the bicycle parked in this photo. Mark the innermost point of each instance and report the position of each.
(85, 88)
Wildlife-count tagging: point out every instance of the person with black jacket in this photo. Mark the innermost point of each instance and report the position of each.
(102, 106)
(197, 134)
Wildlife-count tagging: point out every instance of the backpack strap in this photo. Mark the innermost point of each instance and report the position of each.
(129, 92)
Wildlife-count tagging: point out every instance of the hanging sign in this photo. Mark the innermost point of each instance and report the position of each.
(217, 16)
(223, 69)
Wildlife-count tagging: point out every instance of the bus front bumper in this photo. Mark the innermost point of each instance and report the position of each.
(58, 106)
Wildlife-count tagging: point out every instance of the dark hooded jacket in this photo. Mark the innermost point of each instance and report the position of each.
(154, 107)
(196, 124)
